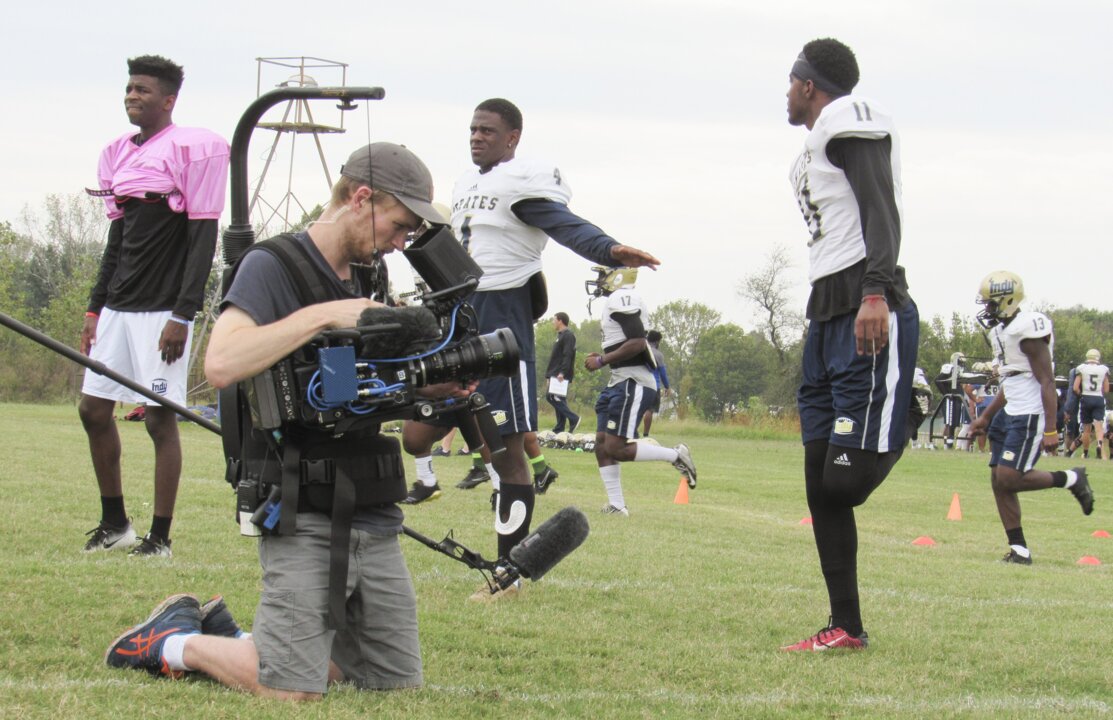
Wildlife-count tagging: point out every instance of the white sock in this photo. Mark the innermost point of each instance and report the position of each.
(1072, 478)
(173, 650)
(646, 453)
(495, 479)
(425, 474)
(1021, 550)
(612, 481)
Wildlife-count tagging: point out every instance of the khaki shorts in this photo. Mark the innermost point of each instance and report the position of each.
(378, 648)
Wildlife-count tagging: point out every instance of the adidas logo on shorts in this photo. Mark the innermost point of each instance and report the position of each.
(842, 460)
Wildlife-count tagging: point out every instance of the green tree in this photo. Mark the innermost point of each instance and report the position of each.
(682, 323)
(767, 288)
(729, 367)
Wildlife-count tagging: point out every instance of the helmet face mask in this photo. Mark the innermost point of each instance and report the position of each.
(999, 295)
(610, 279)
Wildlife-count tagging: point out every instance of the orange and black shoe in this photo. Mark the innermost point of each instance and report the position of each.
(141, 646)
(216, 619)
(830, 638)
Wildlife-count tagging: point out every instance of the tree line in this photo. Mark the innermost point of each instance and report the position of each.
(719, 371)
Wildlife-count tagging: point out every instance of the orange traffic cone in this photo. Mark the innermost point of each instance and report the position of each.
(955, 513)
(682, 492)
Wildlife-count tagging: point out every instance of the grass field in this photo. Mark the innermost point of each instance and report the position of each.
(674, 612)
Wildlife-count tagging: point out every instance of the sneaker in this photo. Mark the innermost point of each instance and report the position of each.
(1082, 491)
(151, 546)
(1012, 556)
(684, 464)
(216, 619)
(612, 510)
(420, 493)
(830, 638)
(438, 451)
(463, 451)
(485, 594)
(543, 479)
(141, 646)
(474, 478)
(110, 537)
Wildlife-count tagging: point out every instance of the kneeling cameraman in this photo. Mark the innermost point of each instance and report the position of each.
(297, 648)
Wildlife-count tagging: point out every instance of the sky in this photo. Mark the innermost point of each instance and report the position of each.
(666, 118)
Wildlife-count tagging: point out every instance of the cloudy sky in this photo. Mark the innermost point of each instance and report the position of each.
(667, 118)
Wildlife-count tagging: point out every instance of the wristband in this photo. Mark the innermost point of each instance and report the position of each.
(91, 314)
(872, 298)
(179, 320)
(1051, 433)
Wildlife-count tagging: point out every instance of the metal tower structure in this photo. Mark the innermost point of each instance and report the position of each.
(296, 119)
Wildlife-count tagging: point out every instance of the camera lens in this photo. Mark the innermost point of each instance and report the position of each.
(477, 357)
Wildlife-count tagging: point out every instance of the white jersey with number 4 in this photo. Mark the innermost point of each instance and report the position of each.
(1093, 378)
(1022, 389)
(508, 250)
(626, 301)
(822, 190)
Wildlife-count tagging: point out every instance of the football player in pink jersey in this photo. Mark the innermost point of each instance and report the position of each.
(164, 188)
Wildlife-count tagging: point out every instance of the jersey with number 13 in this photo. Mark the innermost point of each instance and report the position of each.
(1022, 390)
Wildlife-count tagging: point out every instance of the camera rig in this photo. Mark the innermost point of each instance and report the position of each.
(345, 379)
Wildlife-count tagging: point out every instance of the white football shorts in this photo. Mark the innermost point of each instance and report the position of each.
(127, 342)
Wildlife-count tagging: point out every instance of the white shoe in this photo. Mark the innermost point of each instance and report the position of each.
(110, 537)
(684, 464)
(612, 510)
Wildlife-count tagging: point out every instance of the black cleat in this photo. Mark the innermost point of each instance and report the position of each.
(420, 493)
(474, 478)
(543, 479)
(1012, 556)
(1082, 491)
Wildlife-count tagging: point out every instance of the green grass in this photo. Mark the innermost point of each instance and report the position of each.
(674, 612)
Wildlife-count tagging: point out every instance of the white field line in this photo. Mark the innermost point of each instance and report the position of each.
(778, 700)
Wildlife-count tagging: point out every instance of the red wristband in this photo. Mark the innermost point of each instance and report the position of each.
(90, 313)
(872, 298)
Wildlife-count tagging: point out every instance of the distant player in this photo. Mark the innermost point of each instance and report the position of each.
(1024, 345)
(1091, 383)
(632, 388)
(660, 374)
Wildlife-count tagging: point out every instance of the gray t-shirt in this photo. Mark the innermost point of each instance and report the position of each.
(263, 289)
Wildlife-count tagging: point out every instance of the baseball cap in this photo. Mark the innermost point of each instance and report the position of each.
(395, 170)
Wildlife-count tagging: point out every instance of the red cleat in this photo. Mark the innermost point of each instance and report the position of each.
(830, 638)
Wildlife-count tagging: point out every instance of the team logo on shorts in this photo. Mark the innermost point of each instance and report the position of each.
(159, 386)
(844, 426)
(500, 417)
(612, 425)
(1008, 455)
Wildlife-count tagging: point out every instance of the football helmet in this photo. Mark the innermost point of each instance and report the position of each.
(999, 295)
(1093, 355)
(610, 279)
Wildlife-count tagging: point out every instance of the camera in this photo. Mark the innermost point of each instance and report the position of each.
(345, 379)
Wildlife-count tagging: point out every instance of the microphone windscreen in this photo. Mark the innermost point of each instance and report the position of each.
(550, 543)
(417, 328)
